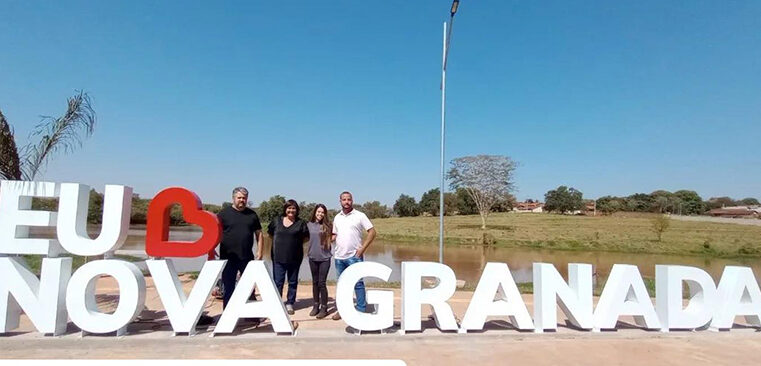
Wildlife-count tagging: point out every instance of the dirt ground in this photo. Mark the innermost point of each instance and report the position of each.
(151, 337)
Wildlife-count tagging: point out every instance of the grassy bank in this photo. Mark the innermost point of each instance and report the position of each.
(630, 233)
(524, 288)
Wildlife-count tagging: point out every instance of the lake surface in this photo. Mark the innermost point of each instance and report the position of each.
(468, 262)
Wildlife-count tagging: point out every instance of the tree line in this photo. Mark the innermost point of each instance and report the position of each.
(273, 207)
(138, 216)
(459, 202)
(267, 210)
(560, 200)
(682, 202)
(455, 203)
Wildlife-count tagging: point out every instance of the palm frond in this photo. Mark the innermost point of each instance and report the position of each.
(62, 133)
(10, 165)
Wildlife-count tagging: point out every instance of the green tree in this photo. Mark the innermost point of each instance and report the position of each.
(690, 202)
(464, 202)
(719, 202)
(610, 204)
(272, 208)
(305, 210)
(374, 210)
(487, 178)
(10, 162)
(663, 201)
(45, 204)
(56, 134)
(175, 216)
(563, 199)
(95, 208)
(639, 202)
(406, 206)
(504, 204)
(749, 202)
(212, 208)
(332, 213)
(139, 210)
(429, 203)
(450, 204)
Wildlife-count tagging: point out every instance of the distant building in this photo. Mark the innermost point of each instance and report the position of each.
(590, 207)
(528, 207)
(736, 211)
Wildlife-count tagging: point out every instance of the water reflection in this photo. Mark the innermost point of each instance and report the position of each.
(468, 262)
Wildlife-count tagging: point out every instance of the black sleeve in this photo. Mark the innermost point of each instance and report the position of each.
(271, 227)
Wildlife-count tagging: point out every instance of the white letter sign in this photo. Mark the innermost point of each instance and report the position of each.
(575, 297)
(686, 298)
(269, 307)
(80, 296)
(41, 299)
(668, 297)
(183, 312)
(384, 300)
(625, 294)
(740, 296)
(72, 219)
(16, 216)
(413, 296)
(496, 279)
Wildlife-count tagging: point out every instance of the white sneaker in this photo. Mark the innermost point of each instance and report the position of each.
(289, 309)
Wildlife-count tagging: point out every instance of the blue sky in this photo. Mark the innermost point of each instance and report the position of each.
(306, 99)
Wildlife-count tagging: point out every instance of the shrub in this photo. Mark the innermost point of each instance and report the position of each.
(660, 224)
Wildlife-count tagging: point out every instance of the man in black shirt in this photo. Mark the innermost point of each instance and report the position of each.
(240, 225)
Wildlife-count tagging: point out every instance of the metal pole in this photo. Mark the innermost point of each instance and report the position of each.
(443, 119)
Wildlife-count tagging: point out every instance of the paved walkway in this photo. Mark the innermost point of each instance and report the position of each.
(151, 337)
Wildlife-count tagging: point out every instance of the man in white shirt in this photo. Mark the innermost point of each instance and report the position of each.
(348, 226)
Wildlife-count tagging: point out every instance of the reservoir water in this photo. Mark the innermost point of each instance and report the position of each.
(468, 261)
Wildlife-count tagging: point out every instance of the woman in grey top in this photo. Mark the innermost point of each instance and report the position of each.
(319, 258)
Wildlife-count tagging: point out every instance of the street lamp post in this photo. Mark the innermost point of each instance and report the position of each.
(444, 54)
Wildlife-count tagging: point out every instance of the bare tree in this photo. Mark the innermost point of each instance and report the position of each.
(487, 179)
(62, 133)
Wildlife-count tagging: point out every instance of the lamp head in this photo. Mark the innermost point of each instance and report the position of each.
(455, 4)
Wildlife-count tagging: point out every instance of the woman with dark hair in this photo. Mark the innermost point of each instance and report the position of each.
(319, 258)
(288, 234)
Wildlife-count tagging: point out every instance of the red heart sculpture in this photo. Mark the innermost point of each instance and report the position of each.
(157, 242)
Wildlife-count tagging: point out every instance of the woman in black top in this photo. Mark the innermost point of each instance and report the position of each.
(288, 234)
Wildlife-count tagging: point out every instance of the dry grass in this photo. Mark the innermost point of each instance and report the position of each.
(622, 232)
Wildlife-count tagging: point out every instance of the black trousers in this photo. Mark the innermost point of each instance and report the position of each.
(230, 277)
(319, 279)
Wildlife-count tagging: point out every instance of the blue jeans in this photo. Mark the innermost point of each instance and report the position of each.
(359, 287)
(279, 272)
